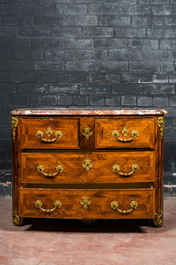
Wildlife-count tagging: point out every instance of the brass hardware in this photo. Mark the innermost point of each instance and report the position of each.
(15, 218)
(49, 132)
(14, 123)
(87, 164)
(85, 202)
(125, 132)
(114, 205)
(134, 168)
(160, 123)
(41, 169)
(87, 132)
(39, 204)
(159, 218)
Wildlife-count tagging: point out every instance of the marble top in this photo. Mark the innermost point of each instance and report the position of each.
(88, 111)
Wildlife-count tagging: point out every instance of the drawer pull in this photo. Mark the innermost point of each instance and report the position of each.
(87, 132)
(125, 132)
(49, 132)
(85, 202)
(39, 204)
(87, 164)
(41, 169)
(115, 205)
(134, 168)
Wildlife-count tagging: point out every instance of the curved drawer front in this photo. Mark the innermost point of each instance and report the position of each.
(124, 133)
(80, 204)
(49, 134)
(80, 168)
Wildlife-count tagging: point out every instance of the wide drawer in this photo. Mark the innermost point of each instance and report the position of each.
(76, 203)
(125, 133)
(49, 134)
(80, 168)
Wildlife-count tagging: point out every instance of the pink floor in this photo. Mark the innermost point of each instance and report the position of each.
(51, 242)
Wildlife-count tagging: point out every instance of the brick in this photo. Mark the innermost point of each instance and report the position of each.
(167, 44)
(17, 99)
(17, 65)
(126, 9)
(32, 76)
(114, 21)
(93, 89)
(4, 77)
(14, 42)
(113, 65)
(72, 77)
(46, 21)
(79, 10)
(156, 2)
(113, 78)
(11, 9)
(32, 100)
(34, 32)
(166, 89)
(31, 88)
(160, 101)
(128, 78)
(46, 43)
(14, 20)
(66, 88)
(160, 78)
(27, 54)
(130, 33)
(44, 9)
(111, 43)
(17, 76)
(167, 67)
(48, 65)
(172, 78)
(80, 55)
(143, 9)
(161, 33)
(8, 31)
(65, 100)
(145, 66)
(98, 32)
(97, 100)
(105, 9)
(141, 21)
(172, 101)
(78, 44)
(144, 44)
(144, 101)
(1, 20)
(49, 100)
(128, 101)
(81, 100)
(117, 2)
(79, 20)
(113, 100)
(82, 66)
(49, 76)
(5, 53)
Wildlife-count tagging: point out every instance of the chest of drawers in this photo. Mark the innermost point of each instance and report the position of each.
(88, 164)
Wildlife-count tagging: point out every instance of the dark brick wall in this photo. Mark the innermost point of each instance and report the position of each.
(88, 53)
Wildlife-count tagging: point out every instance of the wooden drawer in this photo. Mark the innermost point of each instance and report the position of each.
(125, 133)
(80, 204)
(80, 168)
(49, 134)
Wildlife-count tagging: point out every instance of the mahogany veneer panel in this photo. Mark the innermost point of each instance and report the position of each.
(99, 208)
(101, 172)
(69, 129)
(105, 127)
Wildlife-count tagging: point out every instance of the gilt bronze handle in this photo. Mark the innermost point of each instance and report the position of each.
(87, 132)
(39, 204)
(41, 169)
(49, 132)
(85, 202)
(125, 132)
(87, 165)
(116, 168)
(114, 205)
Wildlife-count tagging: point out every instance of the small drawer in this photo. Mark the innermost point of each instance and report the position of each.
(49, 134)
(125, 133)
(85, 203)
(83, 168)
